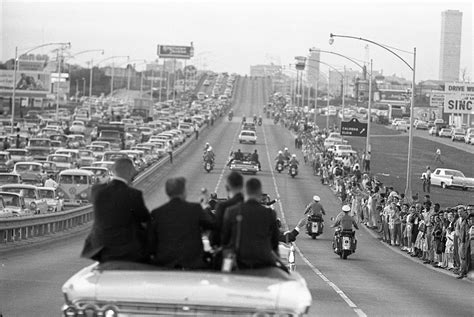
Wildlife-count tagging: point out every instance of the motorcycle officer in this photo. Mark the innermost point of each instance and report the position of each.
(344, 220)
(209, 156)
(255, 118)
(280, 158)
(293, 161)
(287, 154)
(314, 208)
(207, 146)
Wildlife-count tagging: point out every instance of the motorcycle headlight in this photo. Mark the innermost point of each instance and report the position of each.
(110, 312)
(70, 312)
(83, 195)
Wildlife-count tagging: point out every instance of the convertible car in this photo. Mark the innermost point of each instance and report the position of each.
(244, 165)
(133, 289)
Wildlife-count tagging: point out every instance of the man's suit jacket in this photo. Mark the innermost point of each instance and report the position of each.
(215, 237)
(118, 231)
(259, 234)
(176, 234)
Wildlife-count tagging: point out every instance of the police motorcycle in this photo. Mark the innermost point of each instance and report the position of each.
(344, 242)
(280, 166)
(208, 160)
(231, 115)
(244, 119)
(315, 224)
(293, 168)
(255, 119)
(260, 121)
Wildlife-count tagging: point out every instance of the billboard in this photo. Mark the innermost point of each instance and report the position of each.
(459, 98)
(174, 51)
(437, 99)
(354, 128)
(27, 82)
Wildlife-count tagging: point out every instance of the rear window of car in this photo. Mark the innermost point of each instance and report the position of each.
(247, 134)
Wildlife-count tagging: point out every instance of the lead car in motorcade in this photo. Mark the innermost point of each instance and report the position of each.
(133, 289)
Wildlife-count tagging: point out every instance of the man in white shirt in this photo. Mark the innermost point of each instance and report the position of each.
(50, 182)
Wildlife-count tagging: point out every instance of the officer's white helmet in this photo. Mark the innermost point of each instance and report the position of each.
(210, 148)
(286, 149)
(346, 208)
(316, 198)
(294, 155)
(280, 152)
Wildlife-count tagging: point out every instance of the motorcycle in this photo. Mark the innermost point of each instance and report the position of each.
(293, 171)
(280, 166)
(344, 243)
(244, 120)
(314, 226)
(287, 254)
(230, 117)
(260, 121)
(208, 166)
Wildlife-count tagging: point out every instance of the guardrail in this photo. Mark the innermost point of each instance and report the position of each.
(22, 228)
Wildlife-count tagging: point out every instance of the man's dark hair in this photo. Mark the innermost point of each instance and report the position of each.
(235, 180)
(175, 187)
(253, 187)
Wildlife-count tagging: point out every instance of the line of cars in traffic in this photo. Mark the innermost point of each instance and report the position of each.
(455, 134)
(76, 166)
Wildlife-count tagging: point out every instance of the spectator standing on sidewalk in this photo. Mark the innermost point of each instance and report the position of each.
(169, 150)
(196, 130)
(464, 243)
(437, 157)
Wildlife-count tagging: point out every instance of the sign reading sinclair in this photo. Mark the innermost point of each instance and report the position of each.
(459, 98)
(173, 51)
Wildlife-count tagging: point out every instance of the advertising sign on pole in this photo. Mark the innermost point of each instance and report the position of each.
(437, 99)
(354, 128)
(175, 51)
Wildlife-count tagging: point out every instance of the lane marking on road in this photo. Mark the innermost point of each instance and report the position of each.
(348, 301)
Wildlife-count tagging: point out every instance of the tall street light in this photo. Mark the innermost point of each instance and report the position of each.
(408, 189)
(16, 64)
(128, 69)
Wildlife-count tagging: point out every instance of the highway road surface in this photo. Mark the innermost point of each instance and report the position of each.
(375, 281)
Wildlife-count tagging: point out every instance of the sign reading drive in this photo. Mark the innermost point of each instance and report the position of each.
(354, 128)
(173, 51)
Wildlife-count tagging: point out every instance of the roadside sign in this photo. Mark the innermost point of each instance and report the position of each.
(354, 128)
(437, 99)
(174, 51)
(459, 103)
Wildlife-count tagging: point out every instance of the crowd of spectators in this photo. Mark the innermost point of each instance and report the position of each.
(417, 225)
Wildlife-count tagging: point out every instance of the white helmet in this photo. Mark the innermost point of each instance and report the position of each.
(207, 144)
(280, 152)
(286, 149)
(316, 198)
(346, 208)
(210, 148)
(293, 155)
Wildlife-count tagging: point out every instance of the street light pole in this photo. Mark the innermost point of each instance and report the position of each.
(83, 86)
(408, 189)
(369, 116)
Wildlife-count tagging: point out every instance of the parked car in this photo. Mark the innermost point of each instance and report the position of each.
(31, 196)
(421, 125)
(30, 172)
(13, 205)
(433, 131)
(469, 138)
(19, 155)
(458, 135)
(49, 194)
(62, 161)
(445, 132)
(402, 126)
(101, 174)
(449, 178)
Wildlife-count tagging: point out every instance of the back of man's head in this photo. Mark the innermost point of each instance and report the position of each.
(124, 168)
(235, 180)
(176, 187)
(253, 188)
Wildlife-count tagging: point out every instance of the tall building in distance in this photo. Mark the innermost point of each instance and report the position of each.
(450, 46)
(312, 66)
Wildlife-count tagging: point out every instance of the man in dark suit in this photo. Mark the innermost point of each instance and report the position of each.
(120, 219)
(176, 229)
(234, 186)
(259, 232)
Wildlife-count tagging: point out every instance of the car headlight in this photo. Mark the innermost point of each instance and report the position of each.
(33, 205)
(70, 312)
(83, 195)
(110, 312)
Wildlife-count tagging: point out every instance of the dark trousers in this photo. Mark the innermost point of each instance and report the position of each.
(197, 134)
(426, 186)
(367, 165)
(171, 156)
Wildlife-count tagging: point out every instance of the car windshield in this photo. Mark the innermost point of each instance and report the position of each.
(3, 157)
(6, 179)
(11, 200)
(85, 153)
(28, 168)
(45, 193)
(345, 147)
(17, 152)
(454, 173)
(40, 143)
(42, 152)
(73, 179)
(59, 158)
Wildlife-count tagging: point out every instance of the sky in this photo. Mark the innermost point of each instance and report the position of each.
(232, 35)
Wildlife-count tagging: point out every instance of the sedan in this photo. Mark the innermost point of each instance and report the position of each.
(469, 138)
(447, 178)
(78, 127)
(458, 135)
(445, 132)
